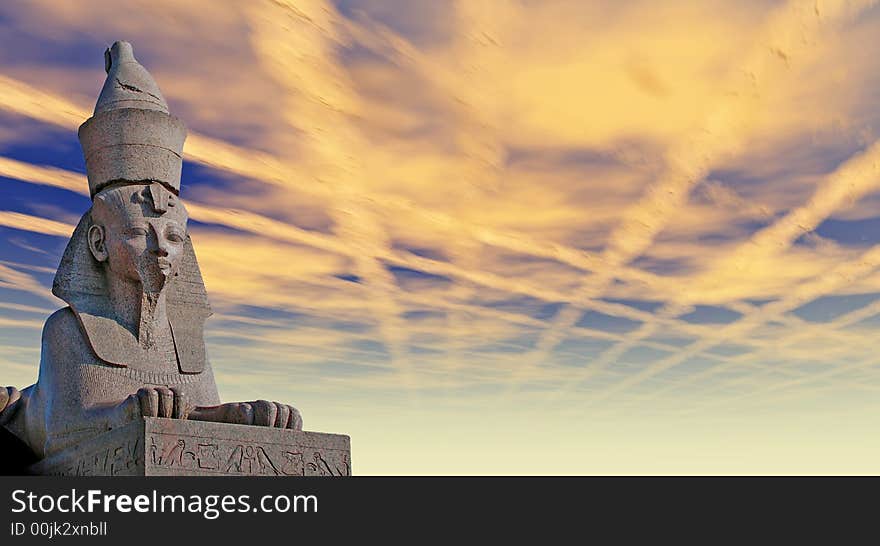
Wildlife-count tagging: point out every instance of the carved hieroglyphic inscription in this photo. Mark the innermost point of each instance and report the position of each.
(177, 447)
(121, 455)
(207, 455)
(116, 460)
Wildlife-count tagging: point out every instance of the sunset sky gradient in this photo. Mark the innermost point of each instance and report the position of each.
(526, 237)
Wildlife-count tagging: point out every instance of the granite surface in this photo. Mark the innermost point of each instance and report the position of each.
(158, 446)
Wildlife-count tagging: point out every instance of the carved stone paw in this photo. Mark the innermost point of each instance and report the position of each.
(263, 413)
(8, 397)
(162, 402)
(258, 413)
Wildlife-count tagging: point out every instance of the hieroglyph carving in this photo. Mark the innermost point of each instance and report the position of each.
(250, 459)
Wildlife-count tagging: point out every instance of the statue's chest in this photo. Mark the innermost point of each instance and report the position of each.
(118, 347)
(160, 355)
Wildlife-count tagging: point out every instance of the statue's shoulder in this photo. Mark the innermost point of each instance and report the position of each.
(60, 321)
(62, 331)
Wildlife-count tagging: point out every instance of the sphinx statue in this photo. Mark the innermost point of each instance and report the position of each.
(130, 343)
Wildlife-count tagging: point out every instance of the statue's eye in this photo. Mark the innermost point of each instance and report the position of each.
(137, 232)
(175, 237)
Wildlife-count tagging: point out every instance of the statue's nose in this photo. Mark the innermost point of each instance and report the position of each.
(159, 244)
(162, 245)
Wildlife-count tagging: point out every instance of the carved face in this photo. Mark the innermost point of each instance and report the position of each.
(139, 231)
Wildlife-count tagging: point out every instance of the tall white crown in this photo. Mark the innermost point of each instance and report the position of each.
(131, 137)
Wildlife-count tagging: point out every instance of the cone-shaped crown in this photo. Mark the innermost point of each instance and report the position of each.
(131, 137)
(128, 84)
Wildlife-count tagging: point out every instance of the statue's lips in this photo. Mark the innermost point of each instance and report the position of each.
(164, 264)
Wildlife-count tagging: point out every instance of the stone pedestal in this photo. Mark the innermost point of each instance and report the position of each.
(163, 447)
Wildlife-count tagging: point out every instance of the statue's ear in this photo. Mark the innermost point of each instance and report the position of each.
(98, 242)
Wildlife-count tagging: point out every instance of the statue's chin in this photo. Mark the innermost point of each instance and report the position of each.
(154, 280)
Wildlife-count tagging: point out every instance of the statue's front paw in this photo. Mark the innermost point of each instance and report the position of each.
(264, 413)
(8, 397)
(162, 402)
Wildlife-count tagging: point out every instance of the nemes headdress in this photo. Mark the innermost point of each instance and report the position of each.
(131, 139)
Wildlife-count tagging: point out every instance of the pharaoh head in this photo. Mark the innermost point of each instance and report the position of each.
(132, 147)
(138, 232)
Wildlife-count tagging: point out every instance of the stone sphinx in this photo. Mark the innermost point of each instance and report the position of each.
(130, 344)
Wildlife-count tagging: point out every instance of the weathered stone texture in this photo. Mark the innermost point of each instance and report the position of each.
(156, 447)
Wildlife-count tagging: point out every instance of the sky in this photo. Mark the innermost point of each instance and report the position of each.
(502, 237)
